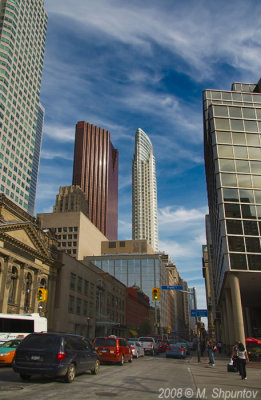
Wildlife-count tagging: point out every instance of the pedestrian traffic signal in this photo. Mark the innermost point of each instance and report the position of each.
(155, 294)
(42, 294)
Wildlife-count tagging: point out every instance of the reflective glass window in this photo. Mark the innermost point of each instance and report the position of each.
(230, 195)
(255, 167)
(254, 262)
(253, 245)
(249, 113)
(248, 211)
(256, 181)
(234, 227)
(258, 113)
(232, 210)
(223, 137)
(246, 196)
(252, 139)
(225, 151)
(236, 243)
(247, 97)
(220, 111)
(237, 125)
(222, 123)
(244, 180)
(242, 166)
(216, 95)
(238, 138)
(228, 179)
(226, 96)
(237, 96)
(235, 112)
(240, 152)
(251, 126)
(227, 165)
(254, 153)
(250, 228)
(238, 261)
(258, 196)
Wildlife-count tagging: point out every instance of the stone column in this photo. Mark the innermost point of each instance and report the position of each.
(225, 337)
(230, 318)
(237, 308)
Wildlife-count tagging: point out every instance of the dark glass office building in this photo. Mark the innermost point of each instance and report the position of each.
(95, 170)
(232, 145)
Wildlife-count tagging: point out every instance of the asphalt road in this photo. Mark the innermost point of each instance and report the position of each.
(144, 379)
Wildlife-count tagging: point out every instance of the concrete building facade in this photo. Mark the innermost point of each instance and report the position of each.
(232, 146)
(144, 191)
(88, 301)
(22, 45)
(95, 170)
(75, 233)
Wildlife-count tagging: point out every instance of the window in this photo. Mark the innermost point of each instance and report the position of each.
(238, 261)
(72, 281)
(236, 243)
(112, 245)
(79, 285)
(122, 244)
(71, 304)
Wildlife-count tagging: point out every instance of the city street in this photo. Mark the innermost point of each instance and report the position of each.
(146, 378)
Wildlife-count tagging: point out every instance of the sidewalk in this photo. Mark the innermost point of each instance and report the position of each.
(222, 358)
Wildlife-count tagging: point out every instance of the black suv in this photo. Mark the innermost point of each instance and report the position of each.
(55, 354)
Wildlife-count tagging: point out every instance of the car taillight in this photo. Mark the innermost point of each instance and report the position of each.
(61, 355)
(168, 349)
(182, 350)
(132, 347)
(150, 344)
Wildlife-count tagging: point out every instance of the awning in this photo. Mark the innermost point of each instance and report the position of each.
(133, 332)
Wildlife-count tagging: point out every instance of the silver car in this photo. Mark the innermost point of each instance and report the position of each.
(136, 348)
(175, 351)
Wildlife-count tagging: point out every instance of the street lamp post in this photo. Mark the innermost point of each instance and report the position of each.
(88, 326)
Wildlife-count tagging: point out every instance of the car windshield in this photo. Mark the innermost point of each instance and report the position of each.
(108, 342)
(144, 339)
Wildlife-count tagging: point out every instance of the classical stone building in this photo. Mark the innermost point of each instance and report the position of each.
(28, 260)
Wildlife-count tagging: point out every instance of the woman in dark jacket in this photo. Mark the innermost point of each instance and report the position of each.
(242, 359)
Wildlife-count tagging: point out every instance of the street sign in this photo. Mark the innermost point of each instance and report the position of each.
(198, 313)
(175, 287)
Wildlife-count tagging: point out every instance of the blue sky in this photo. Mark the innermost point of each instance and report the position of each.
(124, 65)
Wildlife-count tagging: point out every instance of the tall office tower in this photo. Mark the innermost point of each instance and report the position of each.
(95, 170)
(36, 159)
(232, 145)
(23, 25)
(144, 192)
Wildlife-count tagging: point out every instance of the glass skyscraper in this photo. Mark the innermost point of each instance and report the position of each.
(232, 143)
(144, 191)
(23, 25)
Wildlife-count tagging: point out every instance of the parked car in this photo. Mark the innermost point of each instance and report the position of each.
(112, 349)
(55, 354)
(7, 351)
(136, 348)
(174, 350)
(149, 344)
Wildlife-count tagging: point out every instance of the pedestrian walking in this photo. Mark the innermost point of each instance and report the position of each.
(210, 350)
(219, 346)
(234, 355)
(242, 359)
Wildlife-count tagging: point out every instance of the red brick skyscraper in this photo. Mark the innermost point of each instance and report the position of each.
(95, 170)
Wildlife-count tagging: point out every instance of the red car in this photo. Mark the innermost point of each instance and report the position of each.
(113, 349)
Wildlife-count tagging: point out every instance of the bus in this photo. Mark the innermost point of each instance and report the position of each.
(14, 326)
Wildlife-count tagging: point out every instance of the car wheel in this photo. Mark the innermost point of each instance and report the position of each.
(70, 374)
(130, 360)
(25, 377)
(122, 360)
(96, 368)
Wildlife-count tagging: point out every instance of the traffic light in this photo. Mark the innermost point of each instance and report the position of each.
(155, 294)
(42, 294)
